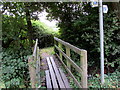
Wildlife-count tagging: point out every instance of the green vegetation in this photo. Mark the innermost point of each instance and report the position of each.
(1, 82)
(80, 27)
(16, 43)
(44, 28)
(48, 50)
(78, 24)
(111, 81)
(43, 33)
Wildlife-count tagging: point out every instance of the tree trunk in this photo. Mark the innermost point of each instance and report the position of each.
(29, 25)
(116, 7)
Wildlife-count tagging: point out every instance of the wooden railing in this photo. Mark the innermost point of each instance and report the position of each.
(34, 66)
(82, 69)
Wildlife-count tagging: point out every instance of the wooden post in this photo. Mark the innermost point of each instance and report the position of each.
(38, 66)
(31, 72)
(68, 54)
(54, 45)
(60, 46)
(83, 63)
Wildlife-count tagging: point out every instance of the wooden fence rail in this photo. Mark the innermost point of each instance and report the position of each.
(82, 69)
(34, 66)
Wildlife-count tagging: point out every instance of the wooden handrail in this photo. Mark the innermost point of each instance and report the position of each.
(75, 49)
(78, 68)
(82, 69)
(35, 47)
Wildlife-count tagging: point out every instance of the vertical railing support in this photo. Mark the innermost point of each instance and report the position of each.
(38, 62)
(68, 54)
(82, 69)
(60, 45)
(31, 72)
(83, 62)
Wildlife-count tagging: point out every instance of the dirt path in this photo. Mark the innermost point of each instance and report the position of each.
(44, 55)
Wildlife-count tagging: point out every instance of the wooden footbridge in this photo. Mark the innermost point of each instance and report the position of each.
(55, 78)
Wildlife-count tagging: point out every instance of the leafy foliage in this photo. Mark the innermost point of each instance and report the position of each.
(79, 26)
(15, 50)
(14, 69)
(44, 33)
(111, 81)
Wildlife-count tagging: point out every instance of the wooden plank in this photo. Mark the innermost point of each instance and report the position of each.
(61, 83)
(48, 80)
(70, 73)
(54, 81)
(78, 68)
(75, 49)
(65, 80)
(83, 63)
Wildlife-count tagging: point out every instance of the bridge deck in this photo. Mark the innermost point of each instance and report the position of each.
(55, 78)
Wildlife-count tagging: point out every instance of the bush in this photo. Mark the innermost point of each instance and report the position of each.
(111, 81)
(15, 48)
(84, 33)
(14, 68)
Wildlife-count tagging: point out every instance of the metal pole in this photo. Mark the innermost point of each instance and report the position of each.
(101, 40)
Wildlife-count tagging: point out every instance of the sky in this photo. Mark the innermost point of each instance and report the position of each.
(42, 17)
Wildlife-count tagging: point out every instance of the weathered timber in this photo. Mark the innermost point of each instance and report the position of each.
(75, 49)
(54, 81)
(70, 73)
(83, 62)
(61, 83)
(82, 69)
(48, 80)
(35, 48)
(64, 78)
(60, 46)
(68, 54)
(79, 69)
(32, 72)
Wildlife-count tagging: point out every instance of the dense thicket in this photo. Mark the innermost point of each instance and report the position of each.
(79, 25)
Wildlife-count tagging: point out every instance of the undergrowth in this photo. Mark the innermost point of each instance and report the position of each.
(111, 81)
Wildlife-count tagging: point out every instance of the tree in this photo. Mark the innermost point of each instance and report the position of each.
(17, 42)
(79, 26)
(116, 7)
(23, 11)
